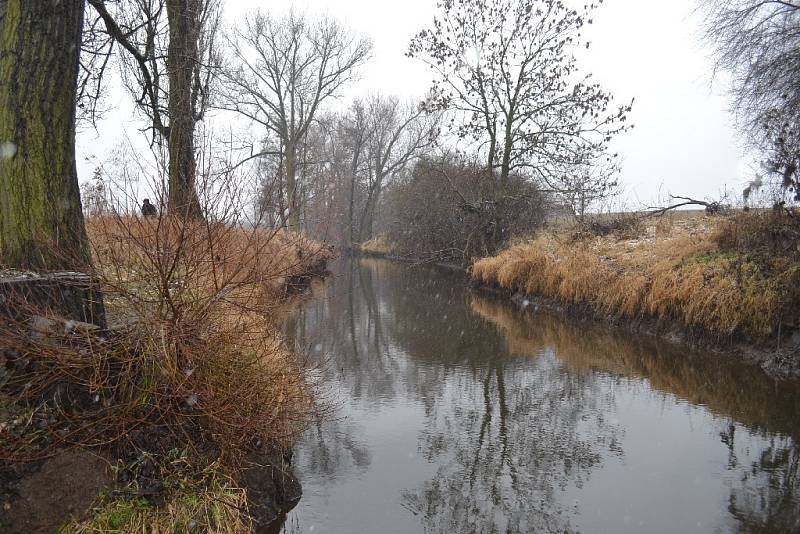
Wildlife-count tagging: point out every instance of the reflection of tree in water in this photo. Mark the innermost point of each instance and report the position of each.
(330, 449)
(507, 444)
(726, 387)
(764, 482)
(391, 326)
(764, 494)
(347, 320)
(513, 410)
(508, 432)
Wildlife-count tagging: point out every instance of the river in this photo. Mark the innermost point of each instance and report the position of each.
(447, 411)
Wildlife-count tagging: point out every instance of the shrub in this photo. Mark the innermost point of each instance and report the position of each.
(192, 357)
(761, 232)
(450, 210)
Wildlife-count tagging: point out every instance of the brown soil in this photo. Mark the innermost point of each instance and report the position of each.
(62, 488)
(272, 488)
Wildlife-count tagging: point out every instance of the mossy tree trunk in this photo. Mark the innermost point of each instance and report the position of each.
(182, 57)
(41, 222)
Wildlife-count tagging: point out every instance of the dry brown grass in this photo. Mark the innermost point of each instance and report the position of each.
(196, 348)
(193, 360)
(682, 270)
(201, 257)
(378, 245)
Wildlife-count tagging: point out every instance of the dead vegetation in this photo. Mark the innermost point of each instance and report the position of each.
(377, 246)
(208, 501)
(737, 275)
(192, 360)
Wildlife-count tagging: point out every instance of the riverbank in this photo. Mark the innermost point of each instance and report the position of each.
(181, 409)
(729, 284)
(380, 248)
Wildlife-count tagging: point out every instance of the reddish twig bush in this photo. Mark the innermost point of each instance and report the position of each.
(192, 356)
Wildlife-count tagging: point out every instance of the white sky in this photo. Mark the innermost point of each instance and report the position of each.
(683, 141)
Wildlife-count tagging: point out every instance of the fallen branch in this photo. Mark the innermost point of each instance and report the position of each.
(712, 208)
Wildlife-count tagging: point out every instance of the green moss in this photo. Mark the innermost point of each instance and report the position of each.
(115, 515)
(204, 498)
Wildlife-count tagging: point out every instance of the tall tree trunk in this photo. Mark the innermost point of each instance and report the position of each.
(368, 215)
(351, 211)
(505, 165)
(373, 208)
(41, 222)
(291, 187)
(182, 57)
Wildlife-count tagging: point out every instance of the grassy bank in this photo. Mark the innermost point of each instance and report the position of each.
(735, 277)
(188, 392)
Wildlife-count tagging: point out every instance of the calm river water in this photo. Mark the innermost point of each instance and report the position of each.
(451, 412)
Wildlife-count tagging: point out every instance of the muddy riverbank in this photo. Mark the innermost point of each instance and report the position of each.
(778, 357)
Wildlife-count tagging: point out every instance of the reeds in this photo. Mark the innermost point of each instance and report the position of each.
(193, 345)
(700, 276)
(378, 245)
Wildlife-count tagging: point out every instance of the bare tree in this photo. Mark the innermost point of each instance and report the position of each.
(353, 129)
(758, 41)
(348, 158)
(398, 134)
(95, 58)
(284, 69)
(588, 187)
(95, 195)
(169, 61)
(506, 69)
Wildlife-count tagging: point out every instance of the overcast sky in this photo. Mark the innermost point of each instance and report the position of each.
(683, 141)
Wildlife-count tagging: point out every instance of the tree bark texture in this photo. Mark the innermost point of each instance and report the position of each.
(291, 188)
(41, 221)
(182, 57)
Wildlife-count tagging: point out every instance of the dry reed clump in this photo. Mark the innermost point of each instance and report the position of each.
(691, 277)
(194, 350)
(198, 257)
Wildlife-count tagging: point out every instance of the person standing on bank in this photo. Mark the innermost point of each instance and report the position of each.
(148, 210)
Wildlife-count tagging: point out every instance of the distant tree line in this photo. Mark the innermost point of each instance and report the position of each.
(509, 129)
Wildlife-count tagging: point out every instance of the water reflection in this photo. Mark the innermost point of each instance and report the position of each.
(456, 413)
